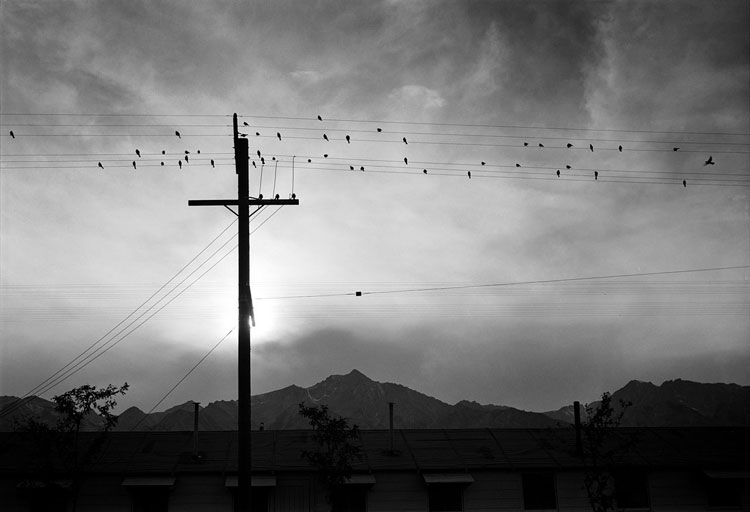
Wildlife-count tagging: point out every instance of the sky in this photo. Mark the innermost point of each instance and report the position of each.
(490, 287)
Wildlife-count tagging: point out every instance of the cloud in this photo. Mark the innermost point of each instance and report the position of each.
(415, 96)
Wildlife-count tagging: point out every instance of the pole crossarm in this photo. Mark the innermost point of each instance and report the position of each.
(234, 202)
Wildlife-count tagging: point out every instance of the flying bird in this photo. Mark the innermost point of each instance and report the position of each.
(178, 134)
(138, 152)
(320, 118)
(12, 135)
(591, 147)
(348, 140)
(134, 164)
(278, 135)
(675, 149)
(325, 137)
(596, 175)
(469, 174)
(406, 161)
(101, 166)
(619, 148)
(684, 183)
(558, 173)
(179, 162)
(710, 161)
(570, 145)
(404, 139)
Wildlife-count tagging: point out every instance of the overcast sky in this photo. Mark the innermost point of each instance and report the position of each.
(464, 82)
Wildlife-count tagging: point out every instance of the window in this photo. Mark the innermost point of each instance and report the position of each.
(349, 498)
(539, 491)
(631, 489)
(723, 492)
(446, 497)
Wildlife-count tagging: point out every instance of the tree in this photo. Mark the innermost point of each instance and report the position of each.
(601, 448)
(336, 453)
(61, 442)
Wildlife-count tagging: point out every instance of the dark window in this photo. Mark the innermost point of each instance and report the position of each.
(631, 489)
(539, 491)
(446, 497)
(350, 498)
(258, 499)
(150, 499)
(723, 492)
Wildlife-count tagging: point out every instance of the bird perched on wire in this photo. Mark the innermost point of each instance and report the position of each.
(245, 123)
(567, 167)
(187, 152)
(558, 173)
(710, 161)
(258, 152)
(404, 139)
(263, 160)
(101, 166)
(619, 148)
(684, 183)
(406, 161)
(348, 140)
(525, 143)
(278, 135)
(12, 135)
(518, 165)
(424, 171)
(320, 118)
(325, 136)
(541, 145)
(187, 160)
(133, 164)
(469, 174)
(138, 152)
(591, 147)
(484, 163)
(309, 160)
(325, 155)
(362, 168)
(570, 145)
(379, 130)
(179, 163)
(351, 167)
(596, 175)
(178, 134)
(162, 164)
(675, 149)
(163, 152)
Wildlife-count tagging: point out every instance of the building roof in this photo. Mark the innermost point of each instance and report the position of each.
(451, 451)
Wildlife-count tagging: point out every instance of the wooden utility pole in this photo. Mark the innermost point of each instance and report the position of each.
(243, 202)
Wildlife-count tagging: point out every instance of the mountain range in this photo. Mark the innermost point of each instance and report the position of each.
(364, 402)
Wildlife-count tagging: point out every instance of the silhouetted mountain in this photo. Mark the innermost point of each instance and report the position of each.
(19, 411)
(364, 402)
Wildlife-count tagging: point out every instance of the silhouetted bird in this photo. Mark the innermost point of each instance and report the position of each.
(404, 139)
(294, 196)
(483, 163)
(187, 152)
(570, 145)
(278, 135)
(258, 153)
(684, 183)
(380, 130)
(137, 152)
(178, 134)
(134, 164)
(596, 175)
(263, 160)
(243, 134)
(12, 135)
(325, 155)
(179, 162)
(309, 160)
(162, 164)
(558, 173)
(163, 152)
(675, 149)
(362, 169)
(276, 197)
(257, 134)
(619, 148)
(406, 161)
(710, 161)
(199, 151)
(591, 147)
(101, 166)
(525, 143)
(518, 165)
(541, 145)
(567, 167)
(469, 174)
(325, 136)
(424, 171)
(348, 140)
(351, 167)
(245, 123)
(187, 160)
(320, 118)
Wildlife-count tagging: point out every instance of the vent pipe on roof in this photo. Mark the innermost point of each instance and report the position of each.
(390, 423)
(577, 415)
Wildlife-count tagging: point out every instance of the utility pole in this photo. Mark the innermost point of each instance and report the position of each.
(243, 202)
